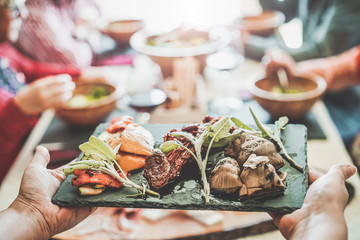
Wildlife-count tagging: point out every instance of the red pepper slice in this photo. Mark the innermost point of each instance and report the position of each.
(119, 124)
(84, 177)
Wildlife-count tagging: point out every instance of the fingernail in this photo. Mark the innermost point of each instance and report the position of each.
(40, 149)
(65, 77)
(66, 96)
(70, 85)
(352, 169)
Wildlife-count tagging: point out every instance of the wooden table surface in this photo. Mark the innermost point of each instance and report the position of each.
(322, 154)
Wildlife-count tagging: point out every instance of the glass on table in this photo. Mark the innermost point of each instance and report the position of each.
(221, 66)
(142, 92)
(145, 102)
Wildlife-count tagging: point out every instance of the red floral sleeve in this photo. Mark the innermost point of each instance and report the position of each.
(15, 125)
(357, 63)
(33, 69)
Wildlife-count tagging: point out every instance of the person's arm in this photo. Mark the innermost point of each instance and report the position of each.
(339, 71)
(19, 113)
(14, 126)
(32, 215)
(33, 69)
(29, 226)
(322, 213)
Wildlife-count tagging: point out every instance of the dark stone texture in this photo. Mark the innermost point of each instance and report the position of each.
(184, 193)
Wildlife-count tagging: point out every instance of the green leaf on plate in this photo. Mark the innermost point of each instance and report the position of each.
(223, 125)
(266, 131)
(241, 125)
(98, 148)
(168, 146)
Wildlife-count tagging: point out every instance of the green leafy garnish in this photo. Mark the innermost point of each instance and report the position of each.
(241, 125)
(266, 131)
(98, 92)
(168, 146)
(215, 133)
(222, 142)
(221, 128)
(99, 156)
(275, 136)
(98, 148)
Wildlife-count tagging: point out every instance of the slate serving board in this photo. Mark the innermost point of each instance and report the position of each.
(184, 193)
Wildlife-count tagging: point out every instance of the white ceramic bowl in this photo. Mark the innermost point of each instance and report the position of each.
(164, 56)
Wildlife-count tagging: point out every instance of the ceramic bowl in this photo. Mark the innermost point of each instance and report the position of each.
(122, 30)
(93, 114)
(263, 24)
(164, 56)
(265, 90)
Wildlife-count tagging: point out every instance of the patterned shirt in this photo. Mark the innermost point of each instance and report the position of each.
(32, 69)
(46, 35)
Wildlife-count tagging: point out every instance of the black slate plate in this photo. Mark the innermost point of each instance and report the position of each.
(185, 192)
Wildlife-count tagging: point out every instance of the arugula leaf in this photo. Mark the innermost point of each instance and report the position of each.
(98, 148)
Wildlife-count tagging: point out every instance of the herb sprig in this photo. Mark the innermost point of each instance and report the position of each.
(276, 138)
(215, 135)
(99, 156)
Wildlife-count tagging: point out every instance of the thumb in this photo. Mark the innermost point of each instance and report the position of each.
(41, 157)
(345, 171)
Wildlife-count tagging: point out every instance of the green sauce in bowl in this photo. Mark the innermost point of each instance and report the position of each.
(82, 100)
(286, 90)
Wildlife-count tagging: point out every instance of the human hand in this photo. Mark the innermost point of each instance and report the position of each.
(275, 59)
(37, 188)
(322, 213)
(45, 93)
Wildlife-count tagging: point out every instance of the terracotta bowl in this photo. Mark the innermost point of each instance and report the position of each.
(263, 24)
(93, 114)
(122, 30)
(293, 105)
(165, 56)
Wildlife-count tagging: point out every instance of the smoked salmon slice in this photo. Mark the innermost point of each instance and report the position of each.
(129, 162)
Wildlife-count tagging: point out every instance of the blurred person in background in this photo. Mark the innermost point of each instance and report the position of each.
(329, 27)
(27, 88)
(26, 69)
(48, 32)
(342, 74)
(340, 71)
(20, 106)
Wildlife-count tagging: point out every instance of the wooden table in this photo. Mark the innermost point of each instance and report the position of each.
(322, 154)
